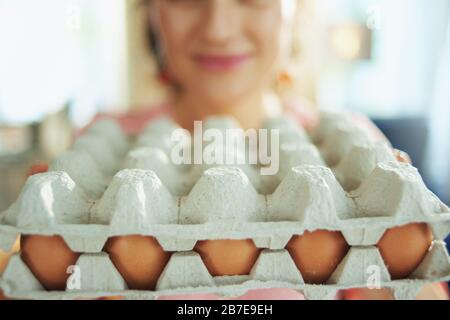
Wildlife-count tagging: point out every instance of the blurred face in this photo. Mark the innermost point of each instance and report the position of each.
(219, 50)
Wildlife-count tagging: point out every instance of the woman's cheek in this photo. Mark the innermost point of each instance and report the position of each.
(177, 32)
(266, 34)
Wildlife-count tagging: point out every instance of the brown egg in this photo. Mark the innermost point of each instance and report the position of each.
(110, 298)
(5, 256)
(404, 247)
(228, 257)
(4, 259)
(367, 294)
(139, 259)
(48, 258)
(317, 254)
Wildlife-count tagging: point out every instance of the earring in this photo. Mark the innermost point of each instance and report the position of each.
(284, 78)
(284, 82)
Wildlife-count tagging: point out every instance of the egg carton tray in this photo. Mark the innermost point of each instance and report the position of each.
(180, 205)
(186, 273)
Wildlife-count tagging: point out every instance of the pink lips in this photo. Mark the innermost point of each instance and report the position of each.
(221, 62)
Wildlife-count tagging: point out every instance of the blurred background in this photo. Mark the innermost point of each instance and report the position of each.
(63, 61)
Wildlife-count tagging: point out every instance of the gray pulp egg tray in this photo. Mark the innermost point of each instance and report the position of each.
(336, 178)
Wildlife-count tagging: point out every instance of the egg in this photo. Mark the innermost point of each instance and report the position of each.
(110, 298)
(404, 247)
(228, 257)
(48, 258)
(367, 294)
(317, 254)
(139, 259)
(5, 256)
(4, 259)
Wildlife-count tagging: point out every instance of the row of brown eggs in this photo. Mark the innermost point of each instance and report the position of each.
(140, 259)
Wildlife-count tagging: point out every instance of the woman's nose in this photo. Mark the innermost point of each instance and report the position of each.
(221, 21)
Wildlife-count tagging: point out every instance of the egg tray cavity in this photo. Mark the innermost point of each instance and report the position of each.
(269, 210)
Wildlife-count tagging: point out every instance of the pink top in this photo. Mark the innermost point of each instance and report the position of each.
(133, 123)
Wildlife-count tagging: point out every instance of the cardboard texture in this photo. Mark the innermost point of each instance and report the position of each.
(335, 178)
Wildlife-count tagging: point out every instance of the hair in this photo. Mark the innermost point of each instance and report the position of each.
(152, 40)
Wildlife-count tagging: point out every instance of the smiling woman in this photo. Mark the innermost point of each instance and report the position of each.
(222, 51)
(223, 57)
(219, 53)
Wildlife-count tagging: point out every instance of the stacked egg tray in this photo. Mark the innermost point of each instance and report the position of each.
(336, 178)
